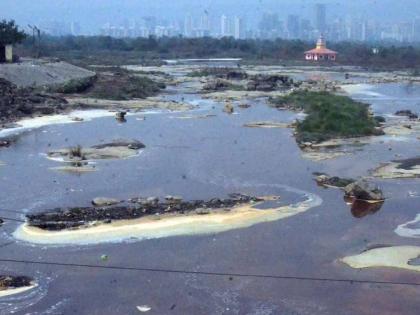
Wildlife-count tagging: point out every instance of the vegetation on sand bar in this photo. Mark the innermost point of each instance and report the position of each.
(328, 116)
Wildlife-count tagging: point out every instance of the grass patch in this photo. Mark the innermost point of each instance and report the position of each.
(123, 86)
(75, 85)
(328, 116)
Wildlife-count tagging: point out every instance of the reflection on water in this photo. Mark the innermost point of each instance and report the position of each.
(361, 208)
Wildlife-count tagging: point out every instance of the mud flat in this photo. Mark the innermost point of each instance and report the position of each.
(240, 95)
(267, 124)
(132, 105)
(195, 222)
(408, 168)
(14, 285)
(401, 257)
(318, 156)
(120, 149)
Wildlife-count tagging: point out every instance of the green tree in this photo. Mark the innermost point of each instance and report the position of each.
(10, 33)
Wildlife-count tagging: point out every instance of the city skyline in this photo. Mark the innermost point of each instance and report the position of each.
(315, 18)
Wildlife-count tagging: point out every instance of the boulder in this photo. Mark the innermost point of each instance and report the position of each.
(173, 199)
(363, 190)
(217, 85)
(103, 201)
(408, 113)
(333, 181)
(228, 108)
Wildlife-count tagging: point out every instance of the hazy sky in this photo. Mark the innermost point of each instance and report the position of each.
(91, 14)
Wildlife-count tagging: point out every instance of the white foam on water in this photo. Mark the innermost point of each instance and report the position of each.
(405, 230)
(364, 89)
(38, 122)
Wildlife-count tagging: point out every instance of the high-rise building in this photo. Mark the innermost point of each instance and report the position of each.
(270, 26)
(239, 28)
(188, 26)
(75, 29)
(321, 17)
(205, 25)
(224, 26)
(416, 30)
(293, 26)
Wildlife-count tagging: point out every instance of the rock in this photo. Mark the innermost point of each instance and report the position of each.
(173, 199)
(334, 181)
(217, 85)
(244, 106)
(202, 211)
(228, 108)
(1, 222)
(268, 82)
(9, 282)
(408, 113)
(103, 201)
(363, 190)
(152, 201)
(120, 116)
(4, 143)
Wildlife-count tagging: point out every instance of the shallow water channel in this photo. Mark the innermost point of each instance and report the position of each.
(203, 158)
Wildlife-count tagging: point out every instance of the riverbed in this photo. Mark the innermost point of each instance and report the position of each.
(202, 154)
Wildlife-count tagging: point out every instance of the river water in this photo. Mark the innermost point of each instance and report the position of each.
(201, 159)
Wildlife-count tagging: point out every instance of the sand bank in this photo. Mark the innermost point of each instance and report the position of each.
(14, 291)
(267, 124)
(165, 225)
(390, 257)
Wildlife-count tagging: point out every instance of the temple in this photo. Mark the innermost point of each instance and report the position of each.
(321, 52)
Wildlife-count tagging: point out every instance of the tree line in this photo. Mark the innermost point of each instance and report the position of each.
(254, 50)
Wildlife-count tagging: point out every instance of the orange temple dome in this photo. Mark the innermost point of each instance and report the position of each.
(321, 52)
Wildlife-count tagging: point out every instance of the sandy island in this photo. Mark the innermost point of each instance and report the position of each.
(166, 225)
(390, 257)
(14, 291)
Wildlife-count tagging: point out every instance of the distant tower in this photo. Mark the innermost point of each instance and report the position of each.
(224, 25)
(416, 30)
(293, 27)
(321, 17)
(188, 26)
(239, 30)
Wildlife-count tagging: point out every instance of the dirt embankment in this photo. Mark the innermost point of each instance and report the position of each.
(17, 103)
(42, 73)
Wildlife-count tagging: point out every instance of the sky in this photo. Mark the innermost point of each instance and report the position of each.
(92, 14)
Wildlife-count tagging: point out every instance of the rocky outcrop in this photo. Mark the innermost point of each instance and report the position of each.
(333, 181)
(262, 82)
(61, 219)
(217, 85)
(363, 190)
(18, 103)
(11, 282)
(407, 113)
(104, 201)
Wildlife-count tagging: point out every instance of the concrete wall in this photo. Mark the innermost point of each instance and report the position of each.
(9, 53)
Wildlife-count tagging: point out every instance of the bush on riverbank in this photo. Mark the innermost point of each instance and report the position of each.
(328, 116)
